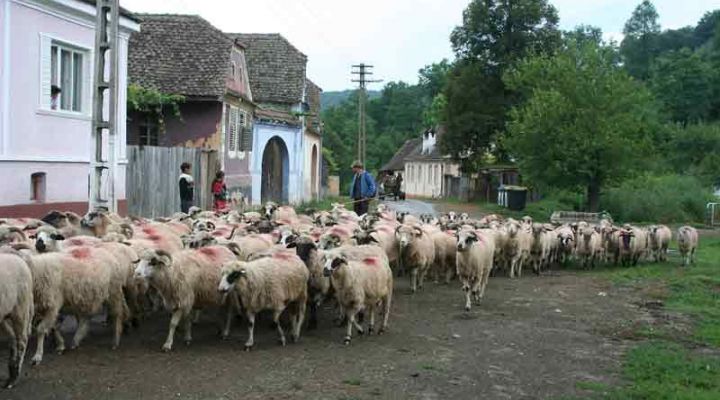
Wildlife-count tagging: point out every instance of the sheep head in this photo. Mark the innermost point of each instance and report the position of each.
(11, 234)
(269, 209)
(333, 263)
(329, 241)
(152, 262)
(465, 239)
(304, 246)
(405, 234)
(47, 238)
(56, 218)
(231, 272)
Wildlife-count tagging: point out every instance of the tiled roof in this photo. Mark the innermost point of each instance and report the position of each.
(179, 54)
(276, 116)
(276, 68)
(312, 94)
(397, 162)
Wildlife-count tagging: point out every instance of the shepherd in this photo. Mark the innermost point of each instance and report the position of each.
(362, 189)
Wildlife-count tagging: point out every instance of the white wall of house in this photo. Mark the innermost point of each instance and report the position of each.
(309, 191)
(292, 138)
(427, 178)
(34, 137)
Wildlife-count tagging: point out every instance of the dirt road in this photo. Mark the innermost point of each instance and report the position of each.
(533, 338)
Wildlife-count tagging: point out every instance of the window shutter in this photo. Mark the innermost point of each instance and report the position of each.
(232, 131)
(45, 72)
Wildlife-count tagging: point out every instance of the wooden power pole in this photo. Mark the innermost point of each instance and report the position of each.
(103, 163)
(363, 71)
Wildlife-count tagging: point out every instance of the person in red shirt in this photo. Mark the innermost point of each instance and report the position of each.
(220, 192)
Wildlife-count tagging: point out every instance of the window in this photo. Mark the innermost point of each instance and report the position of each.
(37, 187)
(66, 77)
(149, 133)
(233, 69)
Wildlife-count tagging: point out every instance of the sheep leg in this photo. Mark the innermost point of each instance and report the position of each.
(421, 278)
(312, 322)
(386, 312)
(229, 311)
(119, 312)
(350, 322)
(484, 279)
(18, 345)
(81, 331)
(174, 321)
(300, 319)
(371, 308)
(41, 331)
(413, 280)
(251, 331)
(468, 301)
(187, 334)
(276, 320)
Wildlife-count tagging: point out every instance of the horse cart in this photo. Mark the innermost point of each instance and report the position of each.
(390, 187)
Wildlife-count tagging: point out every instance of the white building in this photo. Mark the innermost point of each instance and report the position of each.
(426, 170)
(45, 137)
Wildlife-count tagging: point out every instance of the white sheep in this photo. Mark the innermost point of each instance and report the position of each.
(444, 242)
(474, 261)
(417, 252)
(687, 244)
(541, 248)
(660, 237)
(270, 283)
(589, 246)
(359, 285)
(633, 243)
(16, 309)
(187, 280)
(517, 247)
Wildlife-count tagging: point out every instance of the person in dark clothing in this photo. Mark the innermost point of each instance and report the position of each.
(362, 188)
(186, 184)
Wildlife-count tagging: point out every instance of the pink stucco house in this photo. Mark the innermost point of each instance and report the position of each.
(46, 62)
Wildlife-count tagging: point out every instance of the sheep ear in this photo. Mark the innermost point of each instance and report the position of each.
(57, 236)
(33, 236)
(372, 239)
(291, 245)
(163, 258)
(418, 231)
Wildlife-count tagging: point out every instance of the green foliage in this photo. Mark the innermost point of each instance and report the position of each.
(583, 34)
(586, 123)
(639, 46)
(683, 81)
(433, 77)
(664, 199)
(494, 35)
(153, 102)
(334, 98)
(695, 150)
(434, 115)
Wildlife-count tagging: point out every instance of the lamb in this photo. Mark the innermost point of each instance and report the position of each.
(16, 309)
(360, 285)
(187, 280)
(78, 281)
(272, 283)
(588, 246)
(660, 237)
(687, 244)
(417, 252)
(474, 261)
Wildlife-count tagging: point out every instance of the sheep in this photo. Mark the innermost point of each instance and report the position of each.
(474, 261)
(16, 309)
(186, 280)
(517, 248)
(687, 244)
(384, 236)
(633, 242)
(444, 242)
(252, 244)
(318, 286)
(540, 250)
(269, 284)
(156, 236)
(660, 237)
(612, 243)
(566, 243)
(78, 281)
(359, 285)
(417, 252)
(336, 236)
(11, 234)
(588, 246)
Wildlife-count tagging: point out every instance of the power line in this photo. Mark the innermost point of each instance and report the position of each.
(363, 72)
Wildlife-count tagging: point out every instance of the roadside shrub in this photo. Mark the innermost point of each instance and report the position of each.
(559, 200)
(664, 199)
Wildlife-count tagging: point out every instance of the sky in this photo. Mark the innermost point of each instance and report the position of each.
(398, 37)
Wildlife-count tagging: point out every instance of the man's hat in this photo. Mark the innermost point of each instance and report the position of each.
(357, 164)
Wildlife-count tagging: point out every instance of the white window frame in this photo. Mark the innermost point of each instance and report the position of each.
(47, 42)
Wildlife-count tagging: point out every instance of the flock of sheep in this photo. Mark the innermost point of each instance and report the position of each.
(272, 260)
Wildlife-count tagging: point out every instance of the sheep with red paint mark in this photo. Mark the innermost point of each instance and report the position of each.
(444, 242)
(360, 284)
(336, 236)
(274, 283)
(253, 244)
(187, 280)
(474, 261)
(77, 280)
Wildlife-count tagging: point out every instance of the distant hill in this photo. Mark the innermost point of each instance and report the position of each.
(331, 99)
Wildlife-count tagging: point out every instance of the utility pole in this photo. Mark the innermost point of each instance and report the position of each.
(363, 71)
(104, 164)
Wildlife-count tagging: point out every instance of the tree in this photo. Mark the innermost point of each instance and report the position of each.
(639, 46)
(433, 77)
(683, 81)
(494, 35)
(586, 122)
(584, 33)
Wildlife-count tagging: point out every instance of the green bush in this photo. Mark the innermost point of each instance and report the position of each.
(557, 200)
(663, 199)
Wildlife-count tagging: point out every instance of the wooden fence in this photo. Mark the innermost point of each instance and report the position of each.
(152, 178)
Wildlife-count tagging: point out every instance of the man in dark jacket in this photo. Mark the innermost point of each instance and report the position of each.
(362, 188)
(186, 184)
